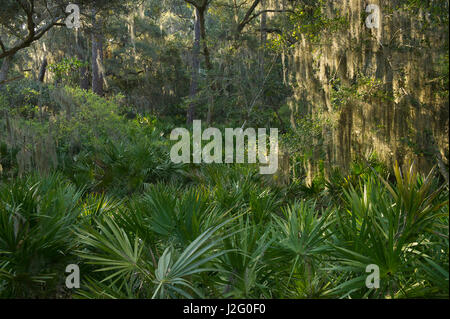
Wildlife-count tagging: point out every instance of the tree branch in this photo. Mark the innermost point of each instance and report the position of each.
(246, 19)
(2, 45)
(249, 17)
(33, 35)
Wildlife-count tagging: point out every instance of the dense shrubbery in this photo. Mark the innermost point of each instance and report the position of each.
(142, 227)
(248, 241)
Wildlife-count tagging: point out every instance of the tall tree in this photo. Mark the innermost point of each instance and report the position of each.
(195, 67)
(82, 55)
(99, 9)
(4, 70)
(97, 54)
(202, 8)
(43, 69)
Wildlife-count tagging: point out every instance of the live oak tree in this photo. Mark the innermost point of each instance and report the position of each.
(98, 9)
(23, 22)
(201, 7)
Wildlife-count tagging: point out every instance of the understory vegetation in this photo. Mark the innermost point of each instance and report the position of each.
(141, 227)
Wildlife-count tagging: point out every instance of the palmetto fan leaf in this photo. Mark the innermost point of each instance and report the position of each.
(387, 225)
(112, 250)
(170, 276)
(36, 223)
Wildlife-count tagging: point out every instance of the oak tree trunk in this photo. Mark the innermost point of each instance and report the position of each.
(5, 69)
(42, 70)
(82, 55)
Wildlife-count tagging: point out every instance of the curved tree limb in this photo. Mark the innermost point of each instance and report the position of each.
(33, 33)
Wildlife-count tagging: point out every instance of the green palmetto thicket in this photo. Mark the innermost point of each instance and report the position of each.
(186, 240)
(140, 226)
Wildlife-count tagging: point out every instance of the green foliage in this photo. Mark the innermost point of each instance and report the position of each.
(364, 89)
(96, 146)
(301, 238)
(37, 216)
(64, 69)
(178, 240)
(25, 98)
(436, 11)
(309, 20)
(306, 137)
(389, 226)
